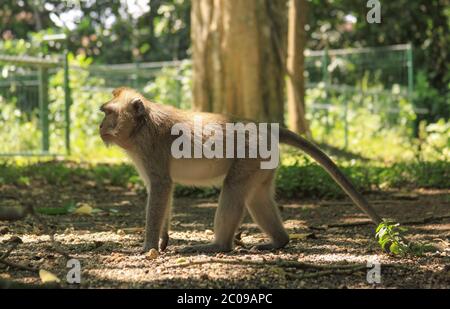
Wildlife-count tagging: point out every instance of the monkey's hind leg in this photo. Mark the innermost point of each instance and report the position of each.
(264, 211)
(227, 219)
(230, 212)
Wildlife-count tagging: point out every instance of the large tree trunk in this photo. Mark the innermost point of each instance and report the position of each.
(236, 60)
(295, 65)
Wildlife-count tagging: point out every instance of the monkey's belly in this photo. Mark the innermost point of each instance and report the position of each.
(199, 172)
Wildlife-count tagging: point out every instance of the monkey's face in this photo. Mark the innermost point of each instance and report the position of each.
(108, 127)
(120, 121)
(117, 124)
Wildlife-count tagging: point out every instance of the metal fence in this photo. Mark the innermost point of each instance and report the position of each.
(135, 75)
(26, 79)
(338, 68)
(347, 77)
(345, 72)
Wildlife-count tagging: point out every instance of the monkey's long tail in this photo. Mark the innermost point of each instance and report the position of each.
(292, 139)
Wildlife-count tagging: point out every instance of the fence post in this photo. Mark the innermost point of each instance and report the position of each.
(325, 66)
(179, 86)
(410, 70)
(345, 122)
(43, 108)
(325, 78)
(137, 81)
(67, 101)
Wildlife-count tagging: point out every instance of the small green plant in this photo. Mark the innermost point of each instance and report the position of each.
(390, 236)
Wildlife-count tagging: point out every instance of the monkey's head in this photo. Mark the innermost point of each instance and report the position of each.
(125, 115)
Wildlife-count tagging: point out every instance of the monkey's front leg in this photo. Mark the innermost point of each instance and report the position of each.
(156, 212)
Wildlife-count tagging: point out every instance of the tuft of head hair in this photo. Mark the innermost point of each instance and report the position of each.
(124, 90)
(126, 93)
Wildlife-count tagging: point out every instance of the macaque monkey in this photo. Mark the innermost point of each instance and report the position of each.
(145, 130)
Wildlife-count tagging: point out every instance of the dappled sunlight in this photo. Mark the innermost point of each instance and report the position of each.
(343, 258)
(300, 206)
(206, 205)
(111, 112)
(295, 224)
(109, 249)
(434, 227)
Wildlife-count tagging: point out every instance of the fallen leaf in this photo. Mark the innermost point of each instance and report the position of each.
(84, 209)
(152, 254)
(48, 277)
(181, 261)
(131, 230)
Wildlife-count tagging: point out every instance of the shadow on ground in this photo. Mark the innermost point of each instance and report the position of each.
(108, 243)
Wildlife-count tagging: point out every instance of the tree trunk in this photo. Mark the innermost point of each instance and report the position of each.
(295, 66)
(236, 63)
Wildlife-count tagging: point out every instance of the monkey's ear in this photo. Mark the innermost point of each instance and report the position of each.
(138, 107)
(116, 92)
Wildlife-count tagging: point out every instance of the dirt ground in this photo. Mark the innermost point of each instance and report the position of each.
(108, 242)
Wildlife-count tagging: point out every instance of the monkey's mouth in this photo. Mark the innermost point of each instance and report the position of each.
(107, 138)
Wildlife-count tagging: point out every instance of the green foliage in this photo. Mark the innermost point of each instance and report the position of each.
(374, 131)
(309, 179)
(423, 23)
(88, 92)
(374, 135)
(302, 179)
(390, 236)
(431, 99)
(434, 140)
(19, 47)
(111, 33)
(66, 173)
(371, 130)
(172, 86)
(21, 134)
(85, 114)
(418, 174)
(108, 30)
(297, 178)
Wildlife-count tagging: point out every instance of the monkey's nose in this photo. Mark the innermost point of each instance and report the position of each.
(101, 125)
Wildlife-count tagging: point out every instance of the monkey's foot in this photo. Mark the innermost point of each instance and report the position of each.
(146, 249)
(162, 245)
(163, 241)
(209, 248)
